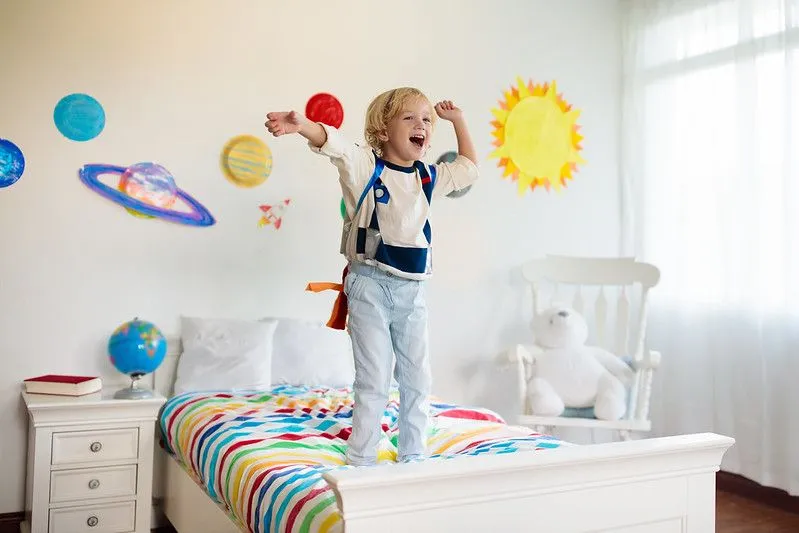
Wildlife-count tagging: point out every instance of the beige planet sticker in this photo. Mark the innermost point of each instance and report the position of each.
(246, 161)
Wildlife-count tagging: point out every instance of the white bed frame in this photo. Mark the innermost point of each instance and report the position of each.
(659, 485)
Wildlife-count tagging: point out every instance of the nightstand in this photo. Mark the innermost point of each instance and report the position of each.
(90, 463)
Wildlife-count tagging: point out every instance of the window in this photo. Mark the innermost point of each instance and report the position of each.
(716, 91)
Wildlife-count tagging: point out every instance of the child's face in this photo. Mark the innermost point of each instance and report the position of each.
(408, 134)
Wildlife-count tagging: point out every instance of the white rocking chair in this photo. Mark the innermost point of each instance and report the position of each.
(614, 280)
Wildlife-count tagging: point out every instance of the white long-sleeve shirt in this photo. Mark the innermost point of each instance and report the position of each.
(400, 245)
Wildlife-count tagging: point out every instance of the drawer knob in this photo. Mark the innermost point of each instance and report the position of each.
(92, 521)
(94, 483)
(96, 446)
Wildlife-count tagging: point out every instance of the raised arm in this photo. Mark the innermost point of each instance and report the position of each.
(284, 122)
(448, 111)
(462, 172)
(355, 163)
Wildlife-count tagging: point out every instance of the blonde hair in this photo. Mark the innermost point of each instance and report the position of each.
(384, 108)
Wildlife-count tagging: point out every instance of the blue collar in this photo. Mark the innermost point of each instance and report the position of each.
(399, 168)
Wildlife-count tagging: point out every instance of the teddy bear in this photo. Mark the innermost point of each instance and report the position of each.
(567, 373)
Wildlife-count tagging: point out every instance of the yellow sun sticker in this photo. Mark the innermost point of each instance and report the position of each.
(537, 137)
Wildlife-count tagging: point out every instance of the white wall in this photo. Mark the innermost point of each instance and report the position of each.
(177, 79)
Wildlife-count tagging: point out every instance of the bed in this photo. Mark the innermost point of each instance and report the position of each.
(270, 458)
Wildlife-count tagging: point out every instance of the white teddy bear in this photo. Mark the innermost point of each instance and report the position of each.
(567, 373)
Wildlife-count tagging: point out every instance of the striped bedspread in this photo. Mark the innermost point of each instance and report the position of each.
(261, 455)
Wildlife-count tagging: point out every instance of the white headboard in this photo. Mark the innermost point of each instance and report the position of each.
(163, 378)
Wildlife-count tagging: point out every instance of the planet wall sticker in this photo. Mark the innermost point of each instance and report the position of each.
(325, 108)
(79, 117)
(246, 161)
(12, 163)
(146, 189)
(449, 157)
(537, 137)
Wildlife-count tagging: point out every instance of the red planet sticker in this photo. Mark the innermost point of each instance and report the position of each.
(325, 108)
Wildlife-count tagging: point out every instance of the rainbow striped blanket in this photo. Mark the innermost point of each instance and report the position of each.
(261, 455)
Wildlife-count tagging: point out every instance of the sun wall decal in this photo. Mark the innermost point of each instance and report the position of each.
(537, 137)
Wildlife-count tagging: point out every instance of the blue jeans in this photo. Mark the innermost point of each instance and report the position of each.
(387, 317)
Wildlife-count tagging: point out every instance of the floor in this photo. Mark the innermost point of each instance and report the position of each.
(735, 515)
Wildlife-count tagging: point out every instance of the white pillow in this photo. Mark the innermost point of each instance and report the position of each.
(225, 354)
(310, 353)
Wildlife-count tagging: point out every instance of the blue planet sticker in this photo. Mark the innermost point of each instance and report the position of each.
(79, 117)
(12, 163)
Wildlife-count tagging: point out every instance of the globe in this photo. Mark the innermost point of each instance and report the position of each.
(136, 348)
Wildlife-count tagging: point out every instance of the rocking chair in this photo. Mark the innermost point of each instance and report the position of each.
(614, 324)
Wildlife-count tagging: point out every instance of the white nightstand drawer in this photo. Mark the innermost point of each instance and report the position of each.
(108, 518)
(95, 446)
(89, 483)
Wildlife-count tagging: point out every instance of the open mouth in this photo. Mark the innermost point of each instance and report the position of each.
(418, 140)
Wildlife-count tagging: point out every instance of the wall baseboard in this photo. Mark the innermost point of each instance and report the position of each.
(9, 522)
(737, 484)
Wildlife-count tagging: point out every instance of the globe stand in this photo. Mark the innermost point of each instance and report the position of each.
(133, 392)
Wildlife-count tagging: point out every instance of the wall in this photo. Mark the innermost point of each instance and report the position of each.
(178, 79)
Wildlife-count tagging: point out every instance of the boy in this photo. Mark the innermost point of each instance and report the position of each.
(387, 191)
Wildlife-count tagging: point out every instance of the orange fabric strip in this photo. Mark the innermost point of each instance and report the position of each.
(324, 286)
(338, 317)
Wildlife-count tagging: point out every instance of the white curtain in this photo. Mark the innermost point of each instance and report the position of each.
(710, 159)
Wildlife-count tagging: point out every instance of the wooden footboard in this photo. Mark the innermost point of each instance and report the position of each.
(660, 485)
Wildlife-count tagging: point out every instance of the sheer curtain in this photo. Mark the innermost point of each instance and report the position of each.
(710, 152)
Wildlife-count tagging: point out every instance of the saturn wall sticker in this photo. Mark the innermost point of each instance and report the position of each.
(147, 190)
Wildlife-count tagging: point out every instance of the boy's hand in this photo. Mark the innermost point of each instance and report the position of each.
(283, 122)
(448, 111)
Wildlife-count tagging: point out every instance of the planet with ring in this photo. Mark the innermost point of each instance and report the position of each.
(146, 190)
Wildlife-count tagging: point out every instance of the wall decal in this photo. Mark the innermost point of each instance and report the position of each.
(325, 108)
(537, 137)
(246, 161)
(12, 163)
(79, 117)
(273, 214)
(449, 157)
(148, 190)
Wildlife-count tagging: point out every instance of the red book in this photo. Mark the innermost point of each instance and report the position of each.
(63, 384)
